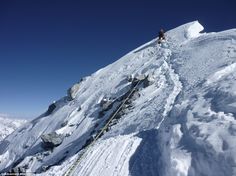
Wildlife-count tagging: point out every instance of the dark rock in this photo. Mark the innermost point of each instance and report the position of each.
(135, 95)
(118, 115)
(100, 133)
(113, 122)
(25, 146)
(101, 114)
(46, 153)
(121, 113)
(15, 170)
(44, 168)
(96, 125)
(26, 166)
(93, 132)
(68, 134)
(128, 102)
(128, 106)
(130, 78)
(79, 108)
(51, 140)
(21, 169)
(39, 157)
(106, 104)
(50, 109)
(107, 129)
(64, 123)
(148, 81)
(88, 142)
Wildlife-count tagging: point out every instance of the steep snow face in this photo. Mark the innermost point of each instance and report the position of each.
(177, 115)
(8, 125)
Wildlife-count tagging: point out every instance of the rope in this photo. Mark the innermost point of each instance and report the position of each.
(69, 171)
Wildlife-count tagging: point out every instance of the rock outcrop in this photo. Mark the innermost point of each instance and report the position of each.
(51, 140)
(72, 92)
(106, 104)
(51, 108)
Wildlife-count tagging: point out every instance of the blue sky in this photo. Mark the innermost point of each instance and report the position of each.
(48, 45)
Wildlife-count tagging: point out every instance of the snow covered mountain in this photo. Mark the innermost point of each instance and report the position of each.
(8, 125)
(161, 110)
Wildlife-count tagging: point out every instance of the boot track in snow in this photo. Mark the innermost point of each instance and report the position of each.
(169, 103)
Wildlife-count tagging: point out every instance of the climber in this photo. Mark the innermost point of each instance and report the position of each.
(161, 36)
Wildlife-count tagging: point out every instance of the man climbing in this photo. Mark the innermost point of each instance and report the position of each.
(161, 36)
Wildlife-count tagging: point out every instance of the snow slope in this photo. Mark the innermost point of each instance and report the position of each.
(181, 123)
(8, 125)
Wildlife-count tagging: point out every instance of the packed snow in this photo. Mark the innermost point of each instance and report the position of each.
(179, 119)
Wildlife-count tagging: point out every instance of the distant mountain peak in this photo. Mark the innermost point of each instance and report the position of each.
(8, 125)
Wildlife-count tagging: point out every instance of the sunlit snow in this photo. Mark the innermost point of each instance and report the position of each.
(181, 122)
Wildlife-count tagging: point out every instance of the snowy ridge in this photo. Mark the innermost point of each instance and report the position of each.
(180, 120)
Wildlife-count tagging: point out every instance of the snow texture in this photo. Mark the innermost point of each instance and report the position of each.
(181, 124)
(8, 125)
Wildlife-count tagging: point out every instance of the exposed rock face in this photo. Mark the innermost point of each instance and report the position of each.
(71, 92)
(51, 140)
(130, 78)
(106, 104)
(17, 170)
(148, 81)
(135, 96)
(51, 108)
(64, 123)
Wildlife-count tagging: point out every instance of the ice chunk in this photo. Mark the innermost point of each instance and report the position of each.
(194, 30)
(185, 32)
